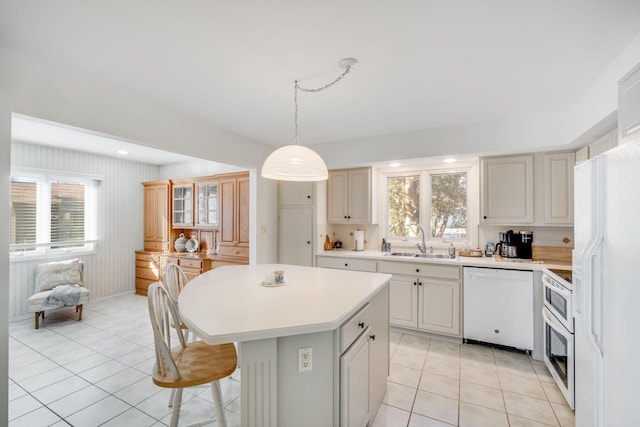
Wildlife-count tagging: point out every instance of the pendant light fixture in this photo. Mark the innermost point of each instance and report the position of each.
(295, 162)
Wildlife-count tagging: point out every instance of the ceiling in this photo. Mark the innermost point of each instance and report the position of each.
(422, 63)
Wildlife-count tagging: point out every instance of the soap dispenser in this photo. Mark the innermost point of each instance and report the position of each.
(452, 250)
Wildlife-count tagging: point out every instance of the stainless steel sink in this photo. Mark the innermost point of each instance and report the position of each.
(401, 254)
(435, 256)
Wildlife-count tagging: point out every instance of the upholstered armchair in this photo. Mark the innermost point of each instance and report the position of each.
(58, 284)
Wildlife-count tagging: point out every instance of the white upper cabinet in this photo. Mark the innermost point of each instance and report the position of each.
(629, 106)
(295, 193)
(601, 145)
(349, 198)
(558, 188)
(507, 190)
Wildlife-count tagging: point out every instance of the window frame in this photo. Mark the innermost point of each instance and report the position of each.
(424, 204)
(43, 247)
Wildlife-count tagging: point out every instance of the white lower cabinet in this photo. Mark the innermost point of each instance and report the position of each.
(341, 263)
(425, 297)
(355, 367)
(364, 362)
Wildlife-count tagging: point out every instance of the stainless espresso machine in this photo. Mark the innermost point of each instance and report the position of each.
(515, 245)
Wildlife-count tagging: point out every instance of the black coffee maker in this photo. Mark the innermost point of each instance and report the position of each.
(515, 245)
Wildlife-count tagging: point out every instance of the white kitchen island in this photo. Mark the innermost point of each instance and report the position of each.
(343, 316)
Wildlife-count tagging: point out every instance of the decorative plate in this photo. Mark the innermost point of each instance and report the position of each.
(192, 245)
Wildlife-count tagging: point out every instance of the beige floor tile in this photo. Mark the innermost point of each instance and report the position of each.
(488, 377)
(554, 395)
(478, 356)
(439, 384)
(529, 407)
(388, 416)
(543, 374)
(564, 414)
(522, 385)
(408, 359)
(399, 396)
(418, 420)
(474, 363)
(444, 348)
(507, 355)
(446, 367)
(436, 406)
(403, 375)
(522, 369)
(478, 416)
(535, 362)
(481, 395)
(515, 421)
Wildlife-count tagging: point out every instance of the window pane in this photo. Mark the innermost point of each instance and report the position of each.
(449, 206)
(67, 212)
(23, 212)
(404, 205)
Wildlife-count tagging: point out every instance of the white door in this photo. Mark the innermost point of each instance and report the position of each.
(295, 230)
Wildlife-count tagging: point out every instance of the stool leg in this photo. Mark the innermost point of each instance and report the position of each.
(37, 320)
(171, 397)
(79, 311)
(175, 415)
(218, 404)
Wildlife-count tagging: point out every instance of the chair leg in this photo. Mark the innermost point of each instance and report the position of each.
(175, 414)
(79, 311)
(216, 393)
(38, 319)
(171, 397)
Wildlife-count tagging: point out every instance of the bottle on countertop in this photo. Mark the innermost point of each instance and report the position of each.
(452, 250)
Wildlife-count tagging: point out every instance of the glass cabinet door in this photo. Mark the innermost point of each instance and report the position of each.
(183, 205)
(207, 204)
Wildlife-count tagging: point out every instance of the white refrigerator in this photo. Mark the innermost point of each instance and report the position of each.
(606, 276)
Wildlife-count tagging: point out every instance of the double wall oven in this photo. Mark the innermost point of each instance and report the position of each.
(557, 313)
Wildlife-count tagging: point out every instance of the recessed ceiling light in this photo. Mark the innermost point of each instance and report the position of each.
(122, 152)
(450, 160)
(394, 164)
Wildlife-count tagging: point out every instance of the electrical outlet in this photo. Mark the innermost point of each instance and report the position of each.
(305, 359)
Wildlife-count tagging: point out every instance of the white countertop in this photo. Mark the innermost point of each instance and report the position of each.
(228, 303)
(492, 262)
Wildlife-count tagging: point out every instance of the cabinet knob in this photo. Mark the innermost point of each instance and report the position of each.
(373, 337)
(346, 265)
(308, 242)
(349, 217)
(417, 270)
(345, 217)
(484, 217)
(415, 283)
(308, 197)
(361, 324)
(420, 283)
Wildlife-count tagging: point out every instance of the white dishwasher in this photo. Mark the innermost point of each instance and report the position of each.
(498, 306)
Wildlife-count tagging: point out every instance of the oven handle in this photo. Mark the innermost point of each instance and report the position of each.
(548, 318)
(549, 283)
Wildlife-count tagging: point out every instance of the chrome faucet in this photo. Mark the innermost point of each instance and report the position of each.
(422, 245)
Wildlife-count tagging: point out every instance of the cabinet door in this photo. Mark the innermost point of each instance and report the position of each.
(558, 188)
(294, 236)
(242, 219)
(439, 304)
(151, 231)
(295, 193)
(206, 204)
(227, 211)
(182, 195)
(359, 211)
(603, 144)
(156, 216)
(354, 383)
(507, 190)
(338, 197)
(403, 301)
(629, 107)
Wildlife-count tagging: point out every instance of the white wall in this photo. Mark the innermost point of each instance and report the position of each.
(121, 217)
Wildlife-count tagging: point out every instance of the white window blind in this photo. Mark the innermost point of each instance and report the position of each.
(52, 213)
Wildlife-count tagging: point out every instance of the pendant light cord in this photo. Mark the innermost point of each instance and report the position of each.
(320, 89)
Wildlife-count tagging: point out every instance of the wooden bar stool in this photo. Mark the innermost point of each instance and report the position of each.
(189, 364)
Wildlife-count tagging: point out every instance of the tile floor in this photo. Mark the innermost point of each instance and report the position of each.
(96, 372)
